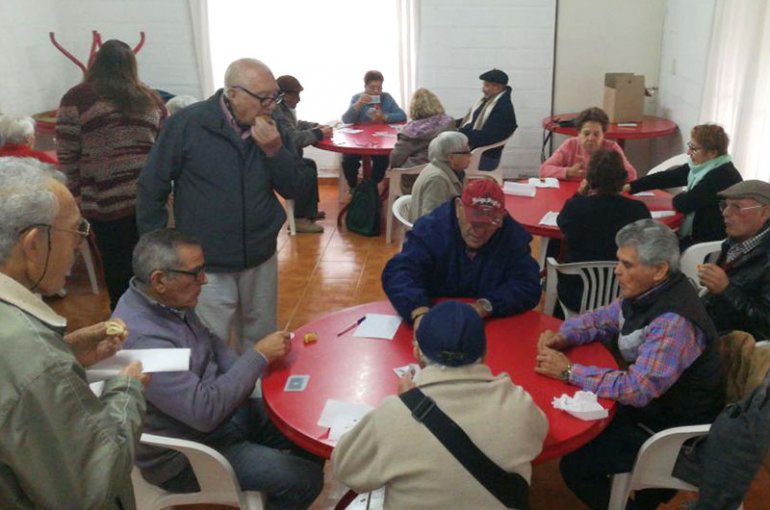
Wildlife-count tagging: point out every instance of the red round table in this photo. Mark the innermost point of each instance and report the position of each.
(530, 210)
(373, 140)
(649, 127)
(360, 370)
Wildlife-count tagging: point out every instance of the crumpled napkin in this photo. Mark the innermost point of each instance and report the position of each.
(583, 405)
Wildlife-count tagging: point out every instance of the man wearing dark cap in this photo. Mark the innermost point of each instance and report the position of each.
(389, 448)
(467, 247)
(492, 119)
(739, 282)
(302, 133)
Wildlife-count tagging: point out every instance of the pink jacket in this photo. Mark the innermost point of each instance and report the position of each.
(571, 151)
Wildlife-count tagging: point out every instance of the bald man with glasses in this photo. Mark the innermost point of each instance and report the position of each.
(226, 158)
(738, 283)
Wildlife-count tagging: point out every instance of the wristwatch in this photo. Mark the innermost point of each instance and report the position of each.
(485, 305)
(564, 376)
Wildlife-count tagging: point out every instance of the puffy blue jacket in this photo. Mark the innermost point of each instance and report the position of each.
(434, 263)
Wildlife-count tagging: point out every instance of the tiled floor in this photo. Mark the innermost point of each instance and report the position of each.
(333, 270)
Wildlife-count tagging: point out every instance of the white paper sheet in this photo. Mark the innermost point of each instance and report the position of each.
(339, 414)
(519, 189)
(644, 194)
(549, 219)
(378, 325)
(547, 182)
(153, 360)
(350, 131)
(662, 214)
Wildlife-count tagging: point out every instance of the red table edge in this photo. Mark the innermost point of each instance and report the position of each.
(618, 131)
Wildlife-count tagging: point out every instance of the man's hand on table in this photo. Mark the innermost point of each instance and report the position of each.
(266, 135)
(550, 340)
(94, 343)
(274, 346)
(551, 363)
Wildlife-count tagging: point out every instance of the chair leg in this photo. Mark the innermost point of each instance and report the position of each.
(619, 492)
(290, 217)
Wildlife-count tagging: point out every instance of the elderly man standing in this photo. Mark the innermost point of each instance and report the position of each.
(211, 402)
(492, 119)
(392, 448)
(467, 247)
(225, 158)
(60, 446)
(302, 134)
(739, 282)
(672, 372)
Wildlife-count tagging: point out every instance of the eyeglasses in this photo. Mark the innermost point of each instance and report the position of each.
(83, 230)
(195, 273)
(693, 148)
(263, 100)
(466, 152)
(724, 206)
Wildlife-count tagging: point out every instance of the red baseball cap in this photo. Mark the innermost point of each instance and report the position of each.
(483, 202)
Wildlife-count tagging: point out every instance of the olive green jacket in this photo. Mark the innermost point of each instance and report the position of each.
(61, 447)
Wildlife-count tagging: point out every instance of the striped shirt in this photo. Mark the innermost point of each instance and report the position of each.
(671, 344)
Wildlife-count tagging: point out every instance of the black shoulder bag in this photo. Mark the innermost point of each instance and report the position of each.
(511, 489)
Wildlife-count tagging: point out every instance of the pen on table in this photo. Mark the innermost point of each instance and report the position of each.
(351, 326)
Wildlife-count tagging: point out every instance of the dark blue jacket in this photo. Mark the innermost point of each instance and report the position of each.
(434, 263)
(500, 124)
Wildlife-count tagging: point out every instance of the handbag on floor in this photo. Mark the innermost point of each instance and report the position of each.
(363, 216)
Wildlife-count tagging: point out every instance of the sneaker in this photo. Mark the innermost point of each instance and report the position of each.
(306, 226)
(320, 215)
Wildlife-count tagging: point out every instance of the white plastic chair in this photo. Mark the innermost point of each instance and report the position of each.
(216, 478)
(695, 255)
(88, 259)
(401, 210)
(678, 160)
(600, 287)
(654, 464)
(473, 172)
(290, 216)
(394, 192)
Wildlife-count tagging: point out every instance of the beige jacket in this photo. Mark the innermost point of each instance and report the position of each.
(436, 184)
(388, 448)
(61, 447)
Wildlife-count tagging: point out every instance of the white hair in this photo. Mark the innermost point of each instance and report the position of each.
(16, 129)
(654, 242)
(446, 143)
(26, 199)
(176, 103)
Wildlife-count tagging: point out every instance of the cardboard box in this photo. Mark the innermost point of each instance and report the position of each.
(624, 97)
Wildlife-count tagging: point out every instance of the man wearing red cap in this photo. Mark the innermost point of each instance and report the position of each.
(467, 247)
(492, 119)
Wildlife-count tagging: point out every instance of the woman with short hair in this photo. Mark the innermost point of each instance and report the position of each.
(17, 135)
(104, 132)
(709, 171)
(570, 161)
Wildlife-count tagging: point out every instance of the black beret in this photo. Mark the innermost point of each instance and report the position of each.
(495, 76)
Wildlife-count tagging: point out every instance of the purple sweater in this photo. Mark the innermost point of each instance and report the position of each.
(186, 405)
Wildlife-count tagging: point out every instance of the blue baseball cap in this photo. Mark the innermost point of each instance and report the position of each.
(452, 334)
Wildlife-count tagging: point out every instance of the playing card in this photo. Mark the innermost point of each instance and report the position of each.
(296, 383)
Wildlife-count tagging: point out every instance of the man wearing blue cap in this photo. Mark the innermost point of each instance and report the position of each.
(390, 448)
(491, 119)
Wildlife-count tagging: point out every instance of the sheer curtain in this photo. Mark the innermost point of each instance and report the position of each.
(737, 87)
(199, 16)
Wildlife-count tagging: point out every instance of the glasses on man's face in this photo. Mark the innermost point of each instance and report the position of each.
(736, 208)
(197, 273)
(691, 147)
(263, 100)
(464, 152)
(83, 230)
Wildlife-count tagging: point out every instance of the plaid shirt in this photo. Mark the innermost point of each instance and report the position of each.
(671, 345)
(738, 250)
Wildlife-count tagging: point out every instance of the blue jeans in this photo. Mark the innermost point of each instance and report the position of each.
(263, 460)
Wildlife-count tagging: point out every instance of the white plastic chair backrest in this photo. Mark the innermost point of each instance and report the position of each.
(600, 286)
(473, 172)
(215, 475)
(654, 464)
(678, 160)
(394, 191)
(401, 210)
(694, 255)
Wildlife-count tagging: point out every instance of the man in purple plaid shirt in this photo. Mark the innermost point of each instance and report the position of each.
(671, 375)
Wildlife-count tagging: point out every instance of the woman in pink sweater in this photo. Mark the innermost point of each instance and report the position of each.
(570, 161)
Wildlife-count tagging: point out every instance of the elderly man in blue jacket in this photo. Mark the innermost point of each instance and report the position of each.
(467, 247)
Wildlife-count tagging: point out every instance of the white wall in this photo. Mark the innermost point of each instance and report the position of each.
(35, 74)
(459, 40)
(594, 37)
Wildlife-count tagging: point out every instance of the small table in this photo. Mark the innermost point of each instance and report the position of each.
(373, 140)
(649, 127)
(360, 370)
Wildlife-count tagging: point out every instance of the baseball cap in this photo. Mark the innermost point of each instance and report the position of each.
(495, 76)
(758, 190)
(289, 83)
(483, 202)
(452, 334)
